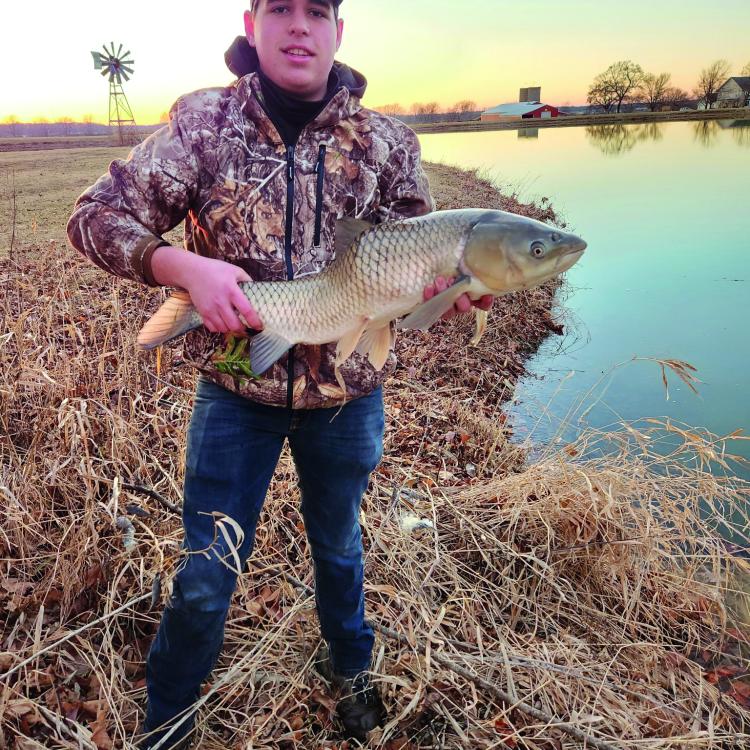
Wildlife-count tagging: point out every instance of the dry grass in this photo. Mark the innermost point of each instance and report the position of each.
(592, 590)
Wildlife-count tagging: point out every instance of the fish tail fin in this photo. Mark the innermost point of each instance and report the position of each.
(175, 317)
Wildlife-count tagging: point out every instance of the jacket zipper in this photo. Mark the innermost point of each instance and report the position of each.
(288, 259)
(320, 171)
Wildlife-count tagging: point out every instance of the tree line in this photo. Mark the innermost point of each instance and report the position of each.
(626, 81)
(428, 108)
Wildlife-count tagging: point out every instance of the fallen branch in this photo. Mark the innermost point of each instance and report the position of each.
(169, 505)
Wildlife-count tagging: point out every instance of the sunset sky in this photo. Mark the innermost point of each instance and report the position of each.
(410, 50)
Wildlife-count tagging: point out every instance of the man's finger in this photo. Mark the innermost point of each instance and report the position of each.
(245, 309)
(463, 304)
(229, 319)
(242, 275)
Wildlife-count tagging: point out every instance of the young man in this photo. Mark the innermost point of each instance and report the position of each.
(260, 171)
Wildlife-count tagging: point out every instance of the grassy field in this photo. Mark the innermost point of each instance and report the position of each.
(563, 604)
(46, 184)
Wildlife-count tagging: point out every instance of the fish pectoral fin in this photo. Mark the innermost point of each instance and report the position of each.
(431, 311)
(265, 349)
(175, 317)
(376, 343)
(348, 230)
(480, 319)
(348, 342)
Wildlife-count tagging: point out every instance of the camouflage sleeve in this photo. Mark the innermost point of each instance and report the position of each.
(404, 189)
(118, 222)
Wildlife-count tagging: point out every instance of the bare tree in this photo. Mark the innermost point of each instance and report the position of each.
(391, 110)
(12, 120)
(430, 108)
(710, 81)
(66, 123)
(465, 105)
(624, 77)
(674, 96)
(88, 121)
(746, 70)
(601, 94)
(43, 123)
(653, 89)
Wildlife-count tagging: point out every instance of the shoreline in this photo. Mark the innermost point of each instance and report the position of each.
(10, 144)
(567, 121)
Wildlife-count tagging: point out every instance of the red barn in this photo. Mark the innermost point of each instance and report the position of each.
(520, 110)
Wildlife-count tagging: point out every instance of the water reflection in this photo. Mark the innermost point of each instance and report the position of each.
(740, 130)
(705, 132)
(616, 139)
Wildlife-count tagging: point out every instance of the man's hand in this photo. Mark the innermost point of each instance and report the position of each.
(212, 286)
(463, 304)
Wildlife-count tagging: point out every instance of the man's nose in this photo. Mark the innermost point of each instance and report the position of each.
(299, 22)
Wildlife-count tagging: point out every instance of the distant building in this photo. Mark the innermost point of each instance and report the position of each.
(530, 94)
(528, 106)
(735, 92)
(520, 110)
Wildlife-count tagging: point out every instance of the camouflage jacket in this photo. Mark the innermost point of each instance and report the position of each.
(222, 166)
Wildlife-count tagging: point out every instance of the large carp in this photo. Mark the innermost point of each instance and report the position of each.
(379, 273)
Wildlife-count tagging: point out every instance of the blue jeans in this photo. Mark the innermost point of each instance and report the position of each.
(233, 446)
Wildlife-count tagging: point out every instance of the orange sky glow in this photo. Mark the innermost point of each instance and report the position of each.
(415, 51)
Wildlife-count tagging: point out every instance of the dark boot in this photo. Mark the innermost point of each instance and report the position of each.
(359, 708)
(147, 740)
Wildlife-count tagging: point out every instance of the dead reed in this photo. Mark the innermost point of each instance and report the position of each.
(593, 591)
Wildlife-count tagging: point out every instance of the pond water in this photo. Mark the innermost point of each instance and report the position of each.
(665, 209)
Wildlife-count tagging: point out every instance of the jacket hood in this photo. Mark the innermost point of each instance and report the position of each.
(241, 58)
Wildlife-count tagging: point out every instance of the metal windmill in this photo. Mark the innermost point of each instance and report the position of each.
(117, 66)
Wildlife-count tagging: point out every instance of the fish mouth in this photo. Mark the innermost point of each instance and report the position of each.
(579, 247)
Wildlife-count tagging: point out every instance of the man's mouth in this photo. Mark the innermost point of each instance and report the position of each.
(298, 52)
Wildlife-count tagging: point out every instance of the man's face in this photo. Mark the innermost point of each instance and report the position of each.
(296, 41)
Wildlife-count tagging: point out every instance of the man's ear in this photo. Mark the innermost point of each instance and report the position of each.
(249, 19)
(339, 32)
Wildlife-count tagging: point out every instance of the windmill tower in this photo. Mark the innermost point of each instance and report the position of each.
(117, 66)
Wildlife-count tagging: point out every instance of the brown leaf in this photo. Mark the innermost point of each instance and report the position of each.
(325, 700)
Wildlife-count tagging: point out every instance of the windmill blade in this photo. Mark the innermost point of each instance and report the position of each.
(126, 69)
(127, 62)
(125, 76)
(125, 56)
(105, 71)
(106, 54)
(119, 80)
(119, 50)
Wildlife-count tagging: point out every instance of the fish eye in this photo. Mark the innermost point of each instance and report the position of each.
(538, 250)
(555, 237)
